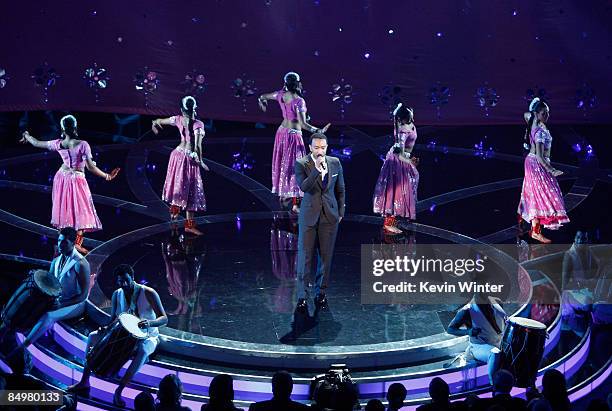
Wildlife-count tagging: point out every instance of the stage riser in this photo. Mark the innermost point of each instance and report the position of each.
(254, 389)
(58, 370)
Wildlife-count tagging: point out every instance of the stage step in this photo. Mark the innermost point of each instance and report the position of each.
(256, 386)
(55, 369)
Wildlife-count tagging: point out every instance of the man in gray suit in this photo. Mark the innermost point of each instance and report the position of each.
(320, 178)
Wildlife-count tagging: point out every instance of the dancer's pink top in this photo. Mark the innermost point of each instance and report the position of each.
(406, 140)
(291, 109)
(407, 137)
(542, 135)
(74, 158)
(178, 122)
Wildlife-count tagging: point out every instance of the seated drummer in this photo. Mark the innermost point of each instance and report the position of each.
(484, 322)
(72, 271)
(141, 301)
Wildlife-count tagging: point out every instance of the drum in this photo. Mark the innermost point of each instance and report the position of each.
(522, 349)
(37, 295)
(116, 346)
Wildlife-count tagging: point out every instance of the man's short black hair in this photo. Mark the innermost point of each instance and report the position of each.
(318, 136)
(123, 269)
(69, 233)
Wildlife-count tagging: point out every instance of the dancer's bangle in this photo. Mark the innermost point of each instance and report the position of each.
(107, 177)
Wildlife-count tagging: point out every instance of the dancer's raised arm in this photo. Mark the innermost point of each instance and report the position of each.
(27, 138)
(157, 124)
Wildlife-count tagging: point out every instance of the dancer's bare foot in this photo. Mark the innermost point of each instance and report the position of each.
(539, 237)
(392, 229)
(190, 226)
(193, 230)
(82, 250)
(78, 243)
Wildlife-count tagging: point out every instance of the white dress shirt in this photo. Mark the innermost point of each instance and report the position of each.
(322, 170)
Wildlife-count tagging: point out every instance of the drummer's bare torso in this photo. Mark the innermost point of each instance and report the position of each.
(126, 299)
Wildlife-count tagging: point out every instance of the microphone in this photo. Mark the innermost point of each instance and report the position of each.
(323, 165)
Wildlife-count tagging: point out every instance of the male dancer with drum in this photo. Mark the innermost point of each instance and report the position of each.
(484, 322)
(72, 271)
(141, 301)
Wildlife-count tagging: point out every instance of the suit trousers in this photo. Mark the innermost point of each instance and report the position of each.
(320, 237)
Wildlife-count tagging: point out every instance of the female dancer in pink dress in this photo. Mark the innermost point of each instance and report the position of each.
(541, 198)
(395, 194)
(288, 143)
(72, 202)
(183, 188)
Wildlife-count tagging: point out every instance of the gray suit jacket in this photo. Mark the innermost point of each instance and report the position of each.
(317, 201)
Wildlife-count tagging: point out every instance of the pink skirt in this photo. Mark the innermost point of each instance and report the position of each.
(541, 196)
(72, 202)
(183, 187)
(396, 189)
(288, 147)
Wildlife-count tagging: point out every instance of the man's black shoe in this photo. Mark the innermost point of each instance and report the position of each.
(321, 301)
(301, 307)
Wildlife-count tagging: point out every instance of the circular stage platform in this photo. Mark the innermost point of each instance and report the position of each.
(231, 296)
